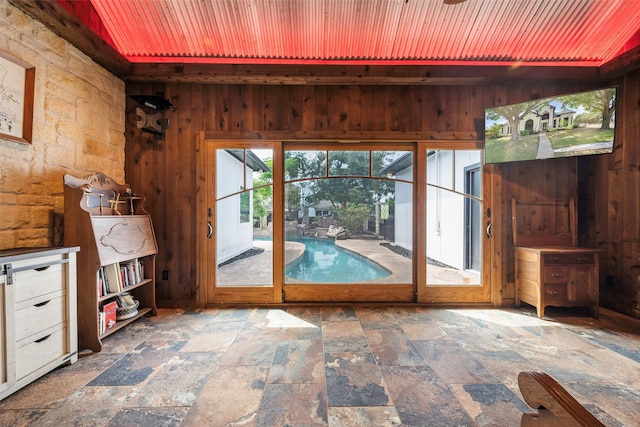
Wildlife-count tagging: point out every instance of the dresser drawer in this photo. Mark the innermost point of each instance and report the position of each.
(555, 293)
(32, 354)
(569, 258)
(48, 275)
(40, 316)
(557, 274)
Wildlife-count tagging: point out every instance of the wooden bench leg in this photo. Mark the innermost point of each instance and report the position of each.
(553, 403)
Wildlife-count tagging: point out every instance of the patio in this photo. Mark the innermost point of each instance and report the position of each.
(256, 270)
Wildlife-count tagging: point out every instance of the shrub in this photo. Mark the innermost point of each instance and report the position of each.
(352, 217)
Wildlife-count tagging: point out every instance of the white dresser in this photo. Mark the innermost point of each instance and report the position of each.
(38, 319)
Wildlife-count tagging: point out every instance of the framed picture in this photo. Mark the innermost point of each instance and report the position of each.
(16, 98)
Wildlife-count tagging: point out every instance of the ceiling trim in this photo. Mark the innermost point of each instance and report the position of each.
(622, 64)
(356, 74)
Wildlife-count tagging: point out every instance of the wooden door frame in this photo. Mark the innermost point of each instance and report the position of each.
(206, 290)
(455, 294)
(484, 294)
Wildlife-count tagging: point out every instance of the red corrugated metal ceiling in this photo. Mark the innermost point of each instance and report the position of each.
(578, 32)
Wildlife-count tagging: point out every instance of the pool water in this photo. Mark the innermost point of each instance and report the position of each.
(324, 262)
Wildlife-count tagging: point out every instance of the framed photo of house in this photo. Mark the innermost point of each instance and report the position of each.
(17, 80)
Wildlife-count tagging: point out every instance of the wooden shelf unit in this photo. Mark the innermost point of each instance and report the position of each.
(107, 233)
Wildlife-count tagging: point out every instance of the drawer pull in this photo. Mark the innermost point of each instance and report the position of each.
(556, 274)
(555, 258)
(554, 292)
(584, 258)
(42, 304)
(43, 339)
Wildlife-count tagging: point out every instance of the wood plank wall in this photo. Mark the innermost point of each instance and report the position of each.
(611, 185)
(165, 169)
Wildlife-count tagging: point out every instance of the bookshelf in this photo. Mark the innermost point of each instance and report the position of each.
(117, 245)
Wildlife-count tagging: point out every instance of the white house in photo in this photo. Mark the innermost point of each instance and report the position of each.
(542, 120)
(235, 203)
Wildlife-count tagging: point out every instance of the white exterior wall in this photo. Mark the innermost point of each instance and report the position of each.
(445, 209)
(403, 214)
(233, 237)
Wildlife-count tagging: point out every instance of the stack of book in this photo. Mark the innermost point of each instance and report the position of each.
(114, 278)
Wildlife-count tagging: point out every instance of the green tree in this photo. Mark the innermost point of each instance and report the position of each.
(493, 131)
(263, 194)
(343, 179)
(601, 102)
(513, 113)
(350, 182)
(352, 217)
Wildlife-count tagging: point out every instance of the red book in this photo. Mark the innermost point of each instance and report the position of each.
(110, 314)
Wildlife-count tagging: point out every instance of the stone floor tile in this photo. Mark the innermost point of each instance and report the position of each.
(298, 362)
(149, 417)
(376, 318)
(392, 348)
(490, 404)
(231, 396)
(335, 314)
(138, 366)
(354, 380)
(293, 404)
(421, 399)
(379, 416)
(452, 363)
(178, 382)
(89, 406)
(249, 350)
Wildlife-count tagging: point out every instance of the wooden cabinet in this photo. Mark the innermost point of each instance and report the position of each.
(38, 327)
(557, 276)
(550, 269)
(113, 230)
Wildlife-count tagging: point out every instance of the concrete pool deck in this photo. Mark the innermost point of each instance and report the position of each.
(257, 270)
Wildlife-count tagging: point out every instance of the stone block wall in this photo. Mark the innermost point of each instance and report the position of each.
(78, 128)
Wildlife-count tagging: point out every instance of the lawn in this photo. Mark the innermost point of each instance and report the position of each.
(504, 150)
(579, 136)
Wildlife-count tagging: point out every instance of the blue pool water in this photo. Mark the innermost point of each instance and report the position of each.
(324, 262)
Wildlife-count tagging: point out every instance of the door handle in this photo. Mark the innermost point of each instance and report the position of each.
(209, 230)
(489, 235)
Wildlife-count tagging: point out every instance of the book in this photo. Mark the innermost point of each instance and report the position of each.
(125, 300)
(113, 277)
(100, 283)
(110, 314)
(104, 284)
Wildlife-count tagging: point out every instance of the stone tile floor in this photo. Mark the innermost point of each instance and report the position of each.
(338, 366)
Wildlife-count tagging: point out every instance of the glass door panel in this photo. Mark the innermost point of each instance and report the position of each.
(243, 207)
(348, 225)
(454, 218)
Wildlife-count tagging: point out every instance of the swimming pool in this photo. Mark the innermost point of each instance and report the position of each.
(324, 262)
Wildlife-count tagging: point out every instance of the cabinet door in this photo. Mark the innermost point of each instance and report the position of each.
(3, 337)
(4, 356)
(581, 289)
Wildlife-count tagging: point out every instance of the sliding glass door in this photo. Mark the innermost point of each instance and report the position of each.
(454, 226)
(333, 222)
(242, 260)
